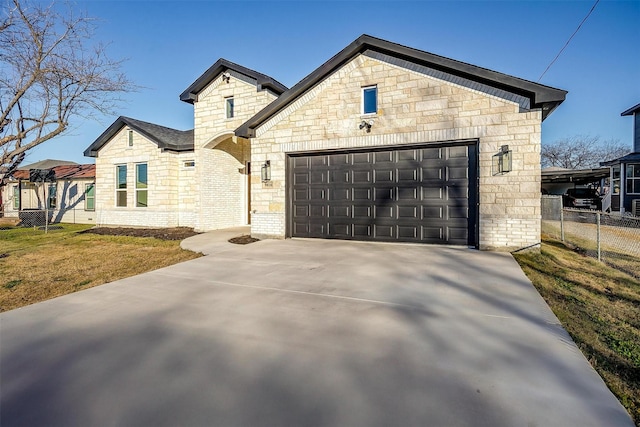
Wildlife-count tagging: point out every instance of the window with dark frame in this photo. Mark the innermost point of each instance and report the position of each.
(370, 100)
(130, 138)
(52, 201)
(229, 106)
(633, 178)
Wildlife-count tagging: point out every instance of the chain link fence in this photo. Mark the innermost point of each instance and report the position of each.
(44, 218)
(610, 238)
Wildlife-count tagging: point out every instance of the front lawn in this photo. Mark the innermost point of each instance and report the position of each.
(35, 266)
(600, 308)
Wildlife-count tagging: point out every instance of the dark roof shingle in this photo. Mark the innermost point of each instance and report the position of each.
(166, 138)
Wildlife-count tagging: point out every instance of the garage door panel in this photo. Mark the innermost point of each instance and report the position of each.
(361, 194)
(431, 153)
(408, 212)
(432, 212)
(433, 193)
(338, 177)
(362, 177)
(381, 176)
(410, 155)
(406, 175)
(382, 231)
(339, 194)
(459, 172)
(318, 177)
(363, 212)
(362, 159)
(340, 230)
(381, 157)
(406, 194)
(457, 152)
(383, 212)
(408, 232)
(340, 211)
(317, 193)
(382, 194)
(432, 173)
(317, 211)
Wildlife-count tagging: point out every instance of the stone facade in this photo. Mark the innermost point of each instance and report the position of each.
(221, 158)
(416, 105)
(171, 188)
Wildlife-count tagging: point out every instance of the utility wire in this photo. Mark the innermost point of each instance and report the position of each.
(568, 41)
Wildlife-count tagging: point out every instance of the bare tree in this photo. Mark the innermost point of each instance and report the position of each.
(50, 73)
(581, 152)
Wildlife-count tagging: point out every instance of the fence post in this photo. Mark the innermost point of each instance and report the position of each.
(598, 234)
(562, 224)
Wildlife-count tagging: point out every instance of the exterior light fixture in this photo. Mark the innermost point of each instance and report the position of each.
(226, 76)
(502, 161)
(265, 171)
(366, 124)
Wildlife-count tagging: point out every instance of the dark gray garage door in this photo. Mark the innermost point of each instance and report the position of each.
(421, 194)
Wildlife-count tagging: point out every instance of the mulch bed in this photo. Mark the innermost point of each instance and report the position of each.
(176, 233)
(243, 240)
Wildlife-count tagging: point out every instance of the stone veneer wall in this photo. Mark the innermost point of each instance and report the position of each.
(221, 158)
(165, 179)
(415, 105)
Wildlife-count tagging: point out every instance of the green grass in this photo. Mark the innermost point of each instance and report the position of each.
(35, 266)
(600, 308)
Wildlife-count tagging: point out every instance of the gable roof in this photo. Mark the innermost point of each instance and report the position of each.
(73, 171)
(166, 138)
(540, 96)
(190, 94)
(46, 164)
(631, 111)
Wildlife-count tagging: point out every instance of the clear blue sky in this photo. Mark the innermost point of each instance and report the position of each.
(168, 44)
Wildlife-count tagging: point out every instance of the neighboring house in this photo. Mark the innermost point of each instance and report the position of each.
(625, 174)
(68, 193)
(382, 142)
(556, 180)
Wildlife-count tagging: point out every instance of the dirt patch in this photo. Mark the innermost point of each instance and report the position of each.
(243, 240)
(175, 233)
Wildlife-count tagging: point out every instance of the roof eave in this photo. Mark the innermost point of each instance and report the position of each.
(631, 111)
(190, 94)
(545, 97)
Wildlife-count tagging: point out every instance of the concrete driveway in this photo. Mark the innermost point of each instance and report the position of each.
(303, 333)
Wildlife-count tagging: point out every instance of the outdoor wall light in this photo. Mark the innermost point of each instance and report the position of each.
(502, 161)
(366, 124)
(226, 76)
(265, 171)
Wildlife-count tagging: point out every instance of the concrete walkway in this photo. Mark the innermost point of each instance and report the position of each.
(303, 333)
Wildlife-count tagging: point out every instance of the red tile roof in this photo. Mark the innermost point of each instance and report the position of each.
(64, 172)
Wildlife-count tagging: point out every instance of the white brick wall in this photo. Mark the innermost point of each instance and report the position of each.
(221, 158)
(170, 191)
(415, 106)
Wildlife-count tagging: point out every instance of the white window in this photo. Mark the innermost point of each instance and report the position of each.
(633, 178)
(370, 99)
(141, 185)
(121, 185)
(130, 137)
(90, 197)
(229, 107)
